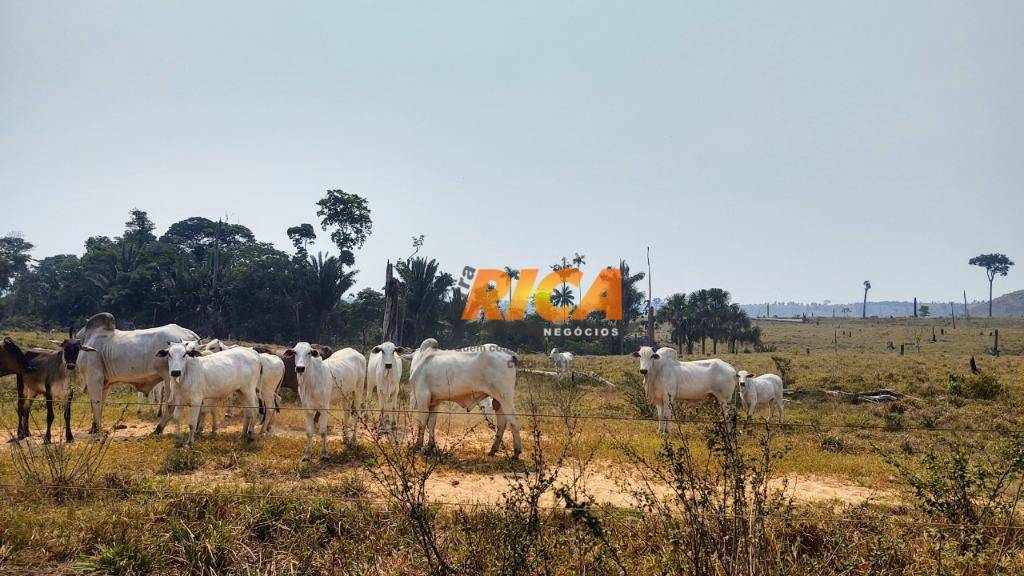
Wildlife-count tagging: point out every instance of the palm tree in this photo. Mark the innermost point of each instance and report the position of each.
(632, 300)
(331, 283)
(510, 274)
(563, 297)
(864, 308)
(424, 288)
(678, 313)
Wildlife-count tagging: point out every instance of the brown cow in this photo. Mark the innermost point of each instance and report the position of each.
(50, 376)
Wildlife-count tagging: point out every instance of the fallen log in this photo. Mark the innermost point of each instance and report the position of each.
(578, 373)
(867, 397)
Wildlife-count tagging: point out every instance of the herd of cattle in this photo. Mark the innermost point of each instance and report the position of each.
(172, 365)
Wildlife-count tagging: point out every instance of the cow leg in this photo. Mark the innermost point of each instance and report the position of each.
(95, 384)
(250, 400)
(269, 407)
(48, 395)
(213, 419)
(195, 410)
(323, 434)
(24, 405)
(422, 416)
(158, 398)
(140, 399)
(513, 422)
(310, 421)
(778, 406)
(499, 413)
(68, 437)
(432, 430)
(230, 412)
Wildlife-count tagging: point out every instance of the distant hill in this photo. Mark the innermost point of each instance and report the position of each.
(1011, 304)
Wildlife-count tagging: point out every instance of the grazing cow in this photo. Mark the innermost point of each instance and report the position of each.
(348, 371)
(200, 379)
(667, 380)
(762, 390)
(464, 377)
(127, 357)
(50, 377)
(563, 363)
(384, 373)
(315, 384)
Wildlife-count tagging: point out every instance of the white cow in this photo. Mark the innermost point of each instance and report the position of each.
(348, 371)
(271, 376)
(201, 379)
(315, 387)
(156, 395)
(127, 357)
(762, 390)
(563, 363)
(667, 380)
(383, 374)
(464, 377)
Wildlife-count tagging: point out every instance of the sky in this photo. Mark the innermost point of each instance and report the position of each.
(784, 152)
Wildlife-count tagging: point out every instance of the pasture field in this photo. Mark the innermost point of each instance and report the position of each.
(842, 488)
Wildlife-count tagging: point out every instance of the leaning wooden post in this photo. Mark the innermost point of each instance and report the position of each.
(995, 347)
(390, 326)
(915, 307)
(952, 314)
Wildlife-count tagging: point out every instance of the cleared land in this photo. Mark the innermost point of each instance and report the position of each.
(833, 462)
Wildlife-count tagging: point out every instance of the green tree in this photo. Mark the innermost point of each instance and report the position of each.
(677, 313)
(332, 281)
(14, 259)
(424, 289)
(864, 307)
(349, 216)
(632, 301)
(994, 265)
(301, 236)
(924, 310)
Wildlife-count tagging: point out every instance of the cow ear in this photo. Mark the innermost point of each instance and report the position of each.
(655, 357)
(161, 354)
(635, 354)
(194, 353)
(289, 353)
(376, 350)
(314, 353)
(400, 350)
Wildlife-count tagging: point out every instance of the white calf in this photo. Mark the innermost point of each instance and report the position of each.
(200, 379)
(563, 362)
(667, 380)
(384, 373)
(762, 390)
(315, 387)
(348, 371)
(464, 377)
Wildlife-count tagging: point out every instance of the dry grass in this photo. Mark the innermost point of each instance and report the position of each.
(823, 449)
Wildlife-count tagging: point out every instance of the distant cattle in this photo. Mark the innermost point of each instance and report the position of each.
(763, 390)
(563, 363)
(667, 380)
(127, 357)
(463, 377)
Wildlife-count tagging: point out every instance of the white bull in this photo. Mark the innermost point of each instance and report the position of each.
(563, 362)
(125, 357)
(763, 390)
(348, 372)
(464, 377)
(315, 385)
(384, 374)
(667, 380)
(201, 379)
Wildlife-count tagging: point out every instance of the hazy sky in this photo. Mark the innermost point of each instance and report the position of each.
(782, 152)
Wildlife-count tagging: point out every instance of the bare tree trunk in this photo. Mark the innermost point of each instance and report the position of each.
(864, 307)
(390, 326)
(990, 296)
(965, 304)
(650, 301)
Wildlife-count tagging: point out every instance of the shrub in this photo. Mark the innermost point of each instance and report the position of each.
(977, 386)
(636, 396)
(785, 368)
(181, 460)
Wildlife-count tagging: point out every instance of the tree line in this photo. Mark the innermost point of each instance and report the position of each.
(220, 280)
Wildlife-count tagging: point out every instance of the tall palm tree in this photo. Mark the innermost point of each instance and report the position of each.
(424, 288)
(632, 300)
(332, 281)
(864, 308)
(510, 275)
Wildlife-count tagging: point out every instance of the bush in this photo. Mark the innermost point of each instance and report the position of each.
(977, 386)
(785, 367)
(636, 396)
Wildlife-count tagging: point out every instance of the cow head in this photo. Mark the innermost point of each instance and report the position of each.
(388, 350)
(647, 357)
(176, 353)
(70, 349)
(742, 376)
(304, 354)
